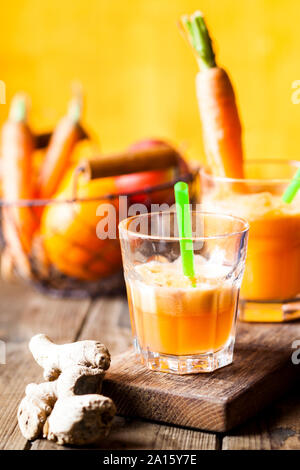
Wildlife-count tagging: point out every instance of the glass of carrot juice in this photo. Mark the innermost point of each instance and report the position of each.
(271, 285)
(180, 325)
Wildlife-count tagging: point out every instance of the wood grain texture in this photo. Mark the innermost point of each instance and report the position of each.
(261, 372)
(25, 312)
(284, 422)
(278, 428)
(108, 321)
(14, 376)
(134, 434)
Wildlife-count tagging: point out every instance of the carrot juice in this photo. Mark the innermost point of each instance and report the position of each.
(273, 263)
(170, 316)
(272, 272)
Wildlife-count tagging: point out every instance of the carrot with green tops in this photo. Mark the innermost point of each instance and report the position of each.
(62, 143)
(221, 124)
(19, 221)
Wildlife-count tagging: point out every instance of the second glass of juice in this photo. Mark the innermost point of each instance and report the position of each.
(182, 325)
(271, 285)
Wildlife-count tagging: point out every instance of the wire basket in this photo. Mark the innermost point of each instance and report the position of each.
(69, 256)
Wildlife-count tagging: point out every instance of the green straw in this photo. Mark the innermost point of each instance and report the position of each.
(292, 189)
(181, 190)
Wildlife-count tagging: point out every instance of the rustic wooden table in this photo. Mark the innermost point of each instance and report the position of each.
(24, 313)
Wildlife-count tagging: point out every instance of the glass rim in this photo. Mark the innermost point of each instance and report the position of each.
(257, 161)
(245, 223)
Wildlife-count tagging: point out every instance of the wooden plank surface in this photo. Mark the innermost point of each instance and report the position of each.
(24, 313)
(278, 428)
(134, 434)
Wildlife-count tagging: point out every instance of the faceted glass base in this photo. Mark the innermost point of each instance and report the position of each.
(268, 312)
(194, 364)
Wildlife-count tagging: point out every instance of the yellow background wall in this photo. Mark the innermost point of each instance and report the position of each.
(138, 73)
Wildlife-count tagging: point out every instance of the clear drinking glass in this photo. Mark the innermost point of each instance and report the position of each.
(180, 326)
(271, 285)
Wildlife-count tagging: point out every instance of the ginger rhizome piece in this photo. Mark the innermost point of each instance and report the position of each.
(80, 419)
(54, 358)
(68, 409)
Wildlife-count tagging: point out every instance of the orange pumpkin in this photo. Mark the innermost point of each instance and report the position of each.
(69, 229)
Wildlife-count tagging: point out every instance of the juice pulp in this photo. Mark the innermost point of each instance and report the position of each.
(170, 316)
(272, 271)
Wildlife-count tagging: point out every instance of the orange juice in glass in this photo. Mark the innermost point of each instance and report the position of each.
(180, 326)
(271, 284)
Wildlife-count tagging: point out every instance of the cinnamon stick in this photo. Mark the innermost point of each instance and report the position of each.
(132, 161)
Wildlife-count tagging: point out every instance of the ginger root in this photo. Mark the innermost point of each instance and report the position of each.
(53, 358)
(34, 409)
(80, 420)
(68, 409)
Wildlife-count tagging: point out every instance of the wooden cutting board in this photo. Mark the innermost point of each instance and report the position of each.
(262, 370)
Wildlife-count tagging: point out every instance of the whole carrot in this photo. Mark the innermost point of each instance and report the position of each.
(221, 124)
(17, 145)
(63, 140)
